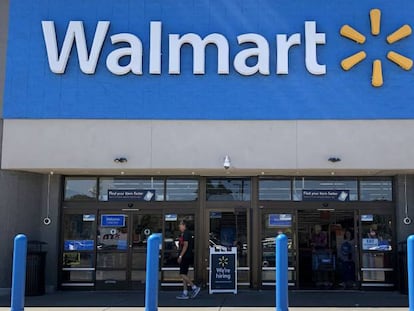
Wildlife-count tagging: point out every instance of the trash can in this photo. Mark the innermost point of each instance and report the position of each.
(402, 264)
(35, 268)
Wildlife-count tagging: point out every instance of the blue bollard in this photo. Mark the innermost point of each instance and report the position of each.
(151, 286)
(410, 264)
(19, 273)
(281, 273)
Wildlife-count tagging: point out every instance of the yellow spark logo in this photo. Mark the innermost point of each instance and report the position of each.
(223, 261)
(400, 60)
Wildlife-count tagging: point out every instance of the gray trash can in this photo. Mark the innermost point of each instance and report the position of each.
(35, 268)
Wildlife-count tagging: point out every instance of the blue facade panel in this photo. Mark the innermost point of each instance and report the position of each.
(33, 91)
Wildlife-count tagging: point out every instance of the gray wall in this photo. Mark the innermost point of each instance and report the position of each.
(366, 147)
(4, 22)
(22, 210)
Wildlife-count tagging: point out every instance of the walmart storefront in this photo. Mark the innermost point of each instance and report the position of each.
(245, 118)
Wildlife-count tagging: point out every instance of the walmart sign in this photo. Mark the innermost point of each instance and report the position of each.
(209, 59)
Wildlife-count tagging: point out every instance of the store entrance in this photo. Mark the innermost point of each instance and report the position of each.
(328, 256)
(122, 247)
(227, 228)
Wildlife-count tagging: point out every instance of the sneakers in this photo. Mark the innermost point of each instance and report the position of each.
(183, 296)
(195, 292)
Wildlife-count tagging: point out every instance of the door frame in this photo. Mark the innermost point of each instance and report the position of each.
(226, 207)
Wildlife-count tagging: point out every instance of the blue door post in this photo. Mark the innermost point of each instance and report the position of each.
(281, 273)
(19, 273)
(410, 264)
(151, 286)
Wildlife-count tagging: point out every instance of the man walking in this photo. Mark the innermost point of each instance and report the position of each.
(185, 258)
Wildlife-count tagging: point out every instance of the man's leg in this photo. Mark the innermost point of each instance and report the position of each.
(186, 281)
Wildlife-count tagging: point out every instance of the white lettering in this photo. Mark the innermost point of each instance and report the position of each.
(74, 33)
(199, 46)
(261, 52)
(312, 39)
(155, 48)
(134, 52)
(283, 46)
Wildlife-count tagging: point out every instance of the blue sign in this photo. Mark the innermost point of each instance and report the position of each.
(112, 220)
(280, 220)
(78, 245)
(325, 195)
(298, 76)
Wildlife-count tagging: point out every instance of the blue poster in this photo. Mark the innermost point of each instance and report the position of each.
(79, 245)
(280, 220)
(113, 221)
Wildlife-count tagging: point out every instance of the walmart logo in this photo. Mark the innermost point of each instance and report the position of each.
(223, 261)
(400, 60)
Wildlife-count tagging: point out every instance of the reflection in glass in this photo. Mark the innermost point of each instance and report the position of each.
(77, 227)
(113, 237)
(123, 183)
(182, 189)
(143, 226)
(275, 190)
(376, 190)
(80, 189)
(112, 260)
(229, 229)
(376, 232)
(228, 189)
(77, 260)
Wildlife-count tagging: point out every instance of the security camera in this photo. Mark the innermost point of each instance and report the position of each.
(120, 160)
(226, 163)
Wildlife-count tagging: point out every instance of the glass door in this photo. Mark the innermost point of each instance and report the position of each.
(112, 250)
(328, 253)
(377, 245)
(230, 228)
(273, 224)
(143, 225)
(78, 255)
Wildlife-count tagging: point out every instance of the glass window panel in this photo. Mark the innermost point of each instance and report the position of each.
(110, 275)
(229, 229)
(272, 226)
(324, 184)
(111, 260)
(182, 189)
(80, 189)
(139, 260)
(115, 236)
(78, 260)
(376, 232)
(276, 190)
(379, 276)
(143, 226)
(77, 276)
(76, 228)
(113, 183)
(376, 190)
(228, 189)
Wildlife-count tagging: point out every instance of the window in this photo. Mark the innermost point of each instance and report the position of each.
(375, 190)
(228, 189)
(325, 184)
(275, 190)
(80, 189)
(182, 189)
(115, 183)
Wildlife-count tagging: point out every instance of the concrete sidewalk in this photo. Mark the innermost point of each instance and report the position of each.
(246, 300)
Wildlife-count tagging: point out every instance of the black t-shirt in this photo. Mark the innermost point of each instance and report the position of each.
(187, 236)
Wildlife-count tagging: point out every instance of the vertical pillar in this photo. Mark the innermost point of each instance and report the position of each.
(19, 273)
(281, 273)
(152, 280)
(410, 264)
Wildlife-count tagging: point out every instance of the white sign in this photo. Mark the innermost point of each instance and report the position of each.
(88, 61)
